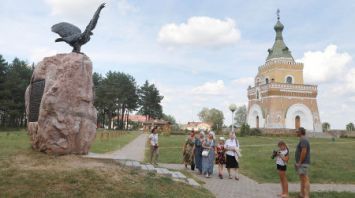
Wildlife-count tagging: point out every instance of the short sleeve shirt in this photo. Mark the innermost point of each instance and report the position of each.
(153, 139)
(231, 144)
(303, 143)
(283, 153)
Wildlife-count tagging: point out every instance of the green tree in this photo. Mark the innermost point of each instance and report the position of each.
(325, 126)
(212, 116)
(116, 95)
(3, 92)
(15, 78)
(350, 127)
(244, 130)
(150, 101)
(169, 118)
(240, 116)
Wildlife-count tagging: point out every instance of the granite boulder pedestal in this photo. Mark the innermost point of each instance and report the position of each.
(59, 105)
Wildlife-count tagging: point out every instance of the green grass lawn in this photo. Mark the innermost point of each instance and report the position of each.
(114, 143)
(27, 173)
(332, 162)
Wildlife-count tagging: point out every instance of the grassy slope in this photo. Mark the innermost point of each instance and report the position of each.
(332, 162)
(26, 173)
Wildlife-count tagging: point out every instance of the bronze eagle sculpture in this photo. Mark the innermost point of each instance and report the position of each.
(72, 35)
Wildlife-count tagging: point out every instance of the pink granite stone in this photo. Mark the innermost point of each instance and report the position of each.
(67, 116)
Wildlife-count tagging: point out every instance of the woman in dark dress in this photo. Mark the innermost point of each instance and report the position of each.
(198, 151)
(188, 151)
(220, 157)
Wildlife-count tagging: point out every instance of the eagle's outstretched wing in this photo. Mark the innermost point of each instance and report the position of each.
(65, 29)
(94, 19)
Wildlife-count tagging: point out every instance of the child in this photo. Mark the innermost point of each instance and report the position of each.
(281, 161)
(220, 157)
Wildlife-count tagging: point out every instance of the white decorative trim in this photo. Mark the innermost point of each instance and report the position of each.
(254, 111)
(303, 112)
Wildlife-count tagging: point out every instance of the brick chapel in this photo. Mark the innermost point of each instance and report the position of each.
(279, 98)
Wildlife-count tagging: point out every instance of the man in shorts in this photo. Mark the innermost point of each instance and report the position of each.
(303, 160)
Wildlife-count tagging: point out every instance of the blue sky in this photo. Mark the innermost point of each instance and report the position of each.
(198, 53)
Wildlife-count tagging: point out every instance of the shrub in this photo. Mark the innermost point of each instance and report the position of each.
(255, 132)
(245, 130)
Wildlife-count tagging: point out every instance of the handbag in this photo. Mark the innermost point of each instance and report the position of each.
(205, 153)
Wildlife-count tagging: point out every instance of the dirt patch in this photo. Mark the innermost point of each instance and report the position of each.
(38, 161)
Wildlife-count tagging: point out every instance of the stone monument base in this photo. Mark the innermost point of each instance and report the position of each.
(63, 119)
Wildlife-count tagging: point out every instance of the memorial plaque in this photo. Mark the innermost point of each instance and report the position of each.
(36, 94)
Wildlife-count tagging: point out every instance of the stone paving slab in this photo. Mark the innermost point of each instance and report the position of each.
(164, 171)
(193, 183)
(178, 175)
(148, 167)
(248, 188)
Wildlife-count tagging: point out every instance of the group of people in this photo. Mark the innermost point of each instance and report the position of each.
(303, 160)
(204, 151)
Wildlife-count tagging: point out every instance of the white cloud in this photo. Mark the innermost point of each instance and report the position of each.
(210, 88)
(323, 66)
(245, 81)
(77, 8)
(200, 31)
(350, 80)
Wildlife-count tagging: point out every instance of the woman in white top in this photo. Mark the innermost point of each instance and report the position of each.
(232, 146)
(154, 147)
(281, 161)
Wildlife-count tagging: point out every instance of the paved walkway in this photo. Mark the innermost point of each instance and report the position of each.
(134, 150)
(225, 188)
(248, 188)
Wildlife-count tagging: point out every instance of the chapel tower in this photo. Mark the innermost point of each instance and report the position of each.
(279, 97)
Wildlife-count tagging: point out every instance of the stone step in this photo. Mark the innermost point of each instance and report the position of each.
(121, 162)
(178, 175)
(163, 171)
(175, 175)
(193, 183)
(148, 167)
(133, 164)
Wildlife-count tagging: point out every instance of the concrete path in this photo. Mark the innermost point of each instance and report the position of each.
(134, 150)
(248, 188)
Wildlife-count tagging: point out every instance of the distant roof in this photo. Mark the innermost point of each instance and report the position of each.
(158, 122)
(279, 49)
(134, 118)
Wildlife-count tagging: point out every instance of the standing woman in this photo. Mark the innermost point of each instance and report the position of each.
(188, 150)
(198, 151)
(154, 150)
(281, 165)
(232, 146)
(208, 155)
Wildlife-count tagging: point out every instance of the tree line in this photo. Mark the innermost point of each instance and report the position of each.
(14, 79)
(117, 95)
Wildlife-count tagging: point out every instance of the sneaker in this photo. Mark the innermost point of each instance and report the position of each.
(220, 176)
